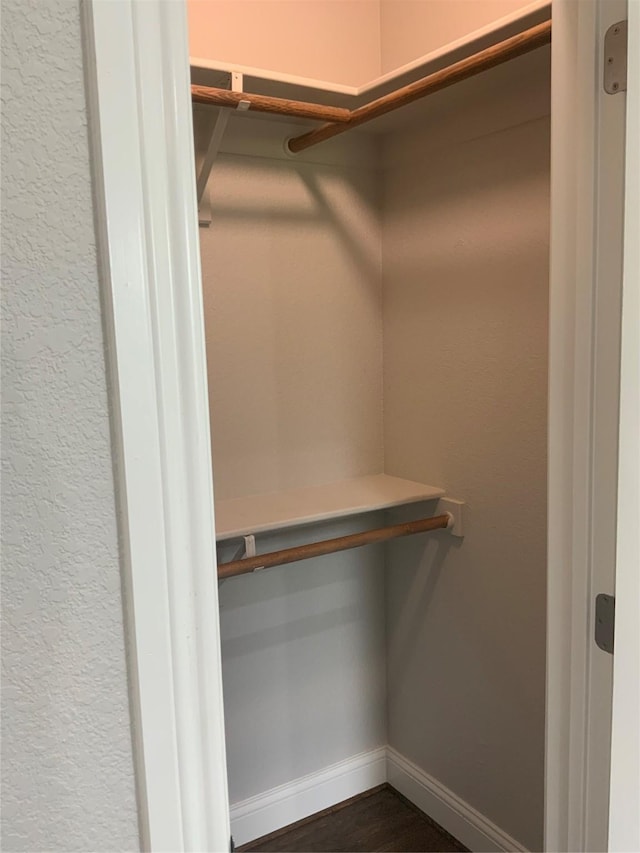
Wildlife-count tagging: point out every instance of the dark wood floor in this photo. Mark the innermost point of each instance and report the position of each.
(380, 820)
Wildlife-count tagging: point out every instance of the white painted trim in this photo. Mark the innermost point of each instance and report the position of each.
(572, 213)
(146, 218)
(624, 824)
(265, 813)
(608, 246)
(228, 68)
(453, 814)
(583, 365)
(296, 800)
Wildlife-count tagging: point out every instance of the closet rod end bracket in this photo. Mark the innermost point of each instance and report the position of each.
(285, 147)
(248, 549)
(455, 510)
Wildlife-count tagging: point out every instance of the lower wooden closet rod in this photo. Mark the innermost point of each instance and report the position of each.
(330, 546)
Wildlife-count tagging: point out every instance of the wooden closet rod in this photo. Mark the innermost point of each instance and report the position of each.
(267, 104)
(504, 51)
(330, 546)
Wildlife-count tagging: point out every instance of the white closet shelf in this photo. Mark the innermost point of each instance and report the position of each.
(296, 507)
(261, 81)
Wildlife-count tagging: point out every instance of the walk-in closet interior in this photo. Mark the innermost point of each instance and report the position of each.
(376, 305)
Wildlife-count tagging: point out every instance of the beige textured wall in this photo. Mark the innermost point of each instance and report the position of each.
(335, 40)
(465, 259)
(411, 28)
(67, 766)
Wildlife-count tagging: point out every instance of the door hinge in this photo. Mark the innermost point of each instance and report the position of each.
(615, 59)
(232, 846)
(605, 621)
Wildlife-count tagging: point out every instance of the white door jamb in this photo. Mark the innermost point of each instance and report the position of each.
(587, 180)
(624, 823)
(146, 220)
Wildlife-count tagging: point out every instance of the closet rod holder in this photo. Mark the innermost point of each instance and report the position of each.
(331, 546)
(268, 104)
(497, 54)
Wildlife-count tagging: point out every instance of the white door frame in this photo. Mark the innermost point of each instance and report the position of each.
(624, 823)
(146, 215)
(587, 173)
(147, 227)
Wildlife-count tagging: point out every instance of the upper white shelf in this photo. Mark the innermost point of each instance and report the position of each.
(211, 72)
(296, 507)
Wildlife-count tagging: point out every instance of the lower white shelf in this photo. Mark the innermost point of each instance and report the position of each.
(296, 507)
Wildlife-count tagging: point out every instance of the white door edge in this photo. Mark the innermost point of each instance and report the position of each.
(586, 262)
(146, 220)
(570, 312)
(624, 823)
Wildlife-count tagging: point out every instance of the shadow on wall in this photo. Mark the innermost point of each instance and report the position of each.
(269, 208)
(290, 632)
(420, 560)
(292, 296)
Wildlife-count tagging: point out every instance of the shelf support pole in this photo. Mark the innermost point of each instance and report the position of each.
(212, 151)
(237, 82)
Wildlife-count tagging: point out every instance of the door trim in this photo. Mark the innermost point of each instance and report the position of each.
(624, 824)
(587, 169)
(140, 123)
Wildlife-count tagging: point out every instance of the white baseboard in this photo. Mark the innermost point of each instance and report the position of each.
(278, 807)
(452, 813)
(296, 800)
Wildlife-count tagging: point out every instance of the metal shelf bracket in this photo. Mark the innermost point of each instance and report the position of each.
(222, 119)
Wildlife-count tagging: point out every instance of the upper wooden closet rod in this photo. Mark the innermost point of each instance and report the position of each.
(490, 57)
(331, 546)
(267, 104)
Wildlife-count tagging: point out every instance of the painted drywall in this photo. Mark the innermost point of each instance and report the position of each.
(465, 284)
(334, 40)
(67, 769)
(292, 300)
(303, 657)
(410, 29)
